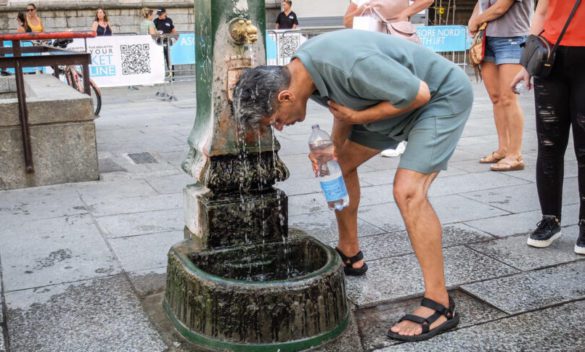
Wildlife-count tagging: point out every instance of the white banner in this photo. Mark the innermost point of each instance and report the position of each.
(123, 60)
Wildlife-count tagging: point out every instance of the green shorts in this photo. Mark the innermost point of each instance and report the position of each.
(431, 140)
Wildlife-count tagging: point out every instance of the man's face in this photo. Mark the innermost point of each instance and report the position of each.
(288, 113)
(162, 16)
(285, 6)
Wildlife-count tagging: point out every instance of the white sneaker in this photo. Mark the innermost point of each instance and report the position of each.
(389, 153)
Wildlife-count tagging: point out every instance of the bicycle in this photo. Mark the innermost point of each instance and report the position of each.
(74, 78)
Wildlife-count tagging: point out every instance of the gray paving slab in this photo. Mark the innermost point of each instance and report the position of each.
(22, 205)
(522, 198)
(94, 192)
(471, 182)
(95, 315)
(374, 322)
(2, 347)
(141, 223)
(144, 252)
(397, 278)
(515, 252)
(450, 209)
(138, 204)
(547, 330)
(397, 243)
(149, 281)
(323, 226)
(170, 184)
(52, 251)
(532, 290)
(108, 165)
(521, 223)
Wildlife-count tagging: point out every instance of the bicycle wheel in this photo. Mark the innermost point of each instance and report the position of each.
(96, 98)
(76, 80)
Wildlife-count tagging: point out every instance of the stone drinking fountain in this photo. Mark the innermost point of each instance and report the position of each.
(241, 281)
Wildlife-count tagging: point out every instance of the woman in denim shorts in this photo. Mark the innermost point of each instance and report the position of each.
(508, 24)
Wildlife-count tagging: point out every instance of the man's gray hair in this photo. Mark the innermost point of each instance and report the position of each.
(256, 93)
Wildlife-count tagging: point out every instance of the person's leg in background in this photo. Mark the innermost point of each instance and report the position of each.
(513, 117)
(491, 79)
(575, 57)
(551, 96)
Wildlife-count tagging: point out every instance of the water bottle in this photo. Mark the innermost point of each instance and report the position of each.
(329, 172)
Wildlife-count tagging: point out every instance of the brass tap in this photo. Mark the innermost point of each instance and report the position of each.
(243, 31)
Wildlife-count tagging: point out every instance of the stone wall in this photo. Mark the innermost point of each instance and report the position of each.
(62, 134)
(124, 15)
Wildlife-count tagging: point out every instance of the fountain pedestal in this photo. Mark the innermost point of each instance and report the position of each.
(241, 281)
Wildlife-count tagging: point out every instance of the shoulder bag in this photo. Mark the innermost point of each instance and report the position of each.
(537, 56)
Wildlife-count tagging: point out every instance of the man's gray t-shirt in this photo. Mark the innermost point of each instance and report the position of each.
(515, 22)
(360, 69)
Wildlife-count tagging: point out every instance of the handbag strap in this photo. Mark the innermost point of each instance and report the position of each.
(571, 15)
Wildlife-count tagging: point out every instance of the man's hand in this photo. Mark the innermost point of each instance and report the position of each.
(320, 157)
(343, 113)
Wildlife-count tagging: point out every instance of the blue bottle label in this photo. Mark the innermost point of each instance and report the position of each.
(334, 189)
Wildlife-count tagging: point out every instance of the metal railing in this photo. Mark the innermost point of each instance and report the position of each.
(18, 57)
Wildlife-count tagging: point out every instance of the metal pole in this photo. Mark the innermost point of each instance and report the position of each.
(22, 111)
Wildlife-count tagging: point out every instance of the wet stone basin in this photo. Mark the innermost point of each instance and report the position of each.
(267, 262)
(288, 296)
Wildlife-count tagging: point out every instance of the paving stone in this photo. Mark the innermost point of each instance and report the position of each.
(23, 205)
(471, 182)
(142, 223)
(95, 192)
(136, 204)
(397, 278)
(52, 251)
(170, 184)
(532, 290)
(507, 198)
(95, 315)
(377, 177)
(552, 329)
(521, 223)
(450, 209)
(397, 243)
(144, 252)
(374, 322)
(515, 252)
(108, 165)
(323, 226)
(148, 282)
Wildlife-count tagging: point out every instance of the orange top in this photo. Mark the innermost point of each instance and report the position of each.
(556, 16)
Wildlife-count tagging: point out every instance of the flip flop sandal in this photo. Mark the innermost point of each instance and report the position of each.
(506, 165)
(491, 158)
(350, 261)
(425, 323)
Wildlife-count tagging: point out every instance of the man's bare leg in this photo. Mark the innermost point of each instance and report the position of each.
(425, 232)
(350, 156)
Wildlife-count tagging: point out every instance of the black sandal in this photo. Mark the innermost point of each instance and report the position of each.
(450, 323)
(350, 261)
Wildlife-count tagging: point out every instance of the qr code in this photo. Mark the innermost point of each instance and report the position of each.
(135, 59)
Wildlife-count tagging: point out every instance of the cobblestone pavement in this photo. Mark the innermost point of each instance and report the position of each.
(79, 263)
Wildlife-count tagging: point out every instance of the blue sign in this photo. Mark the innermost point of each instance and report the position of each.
(183, 52)
(270, 47)
(444, 38)
(23, 43)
